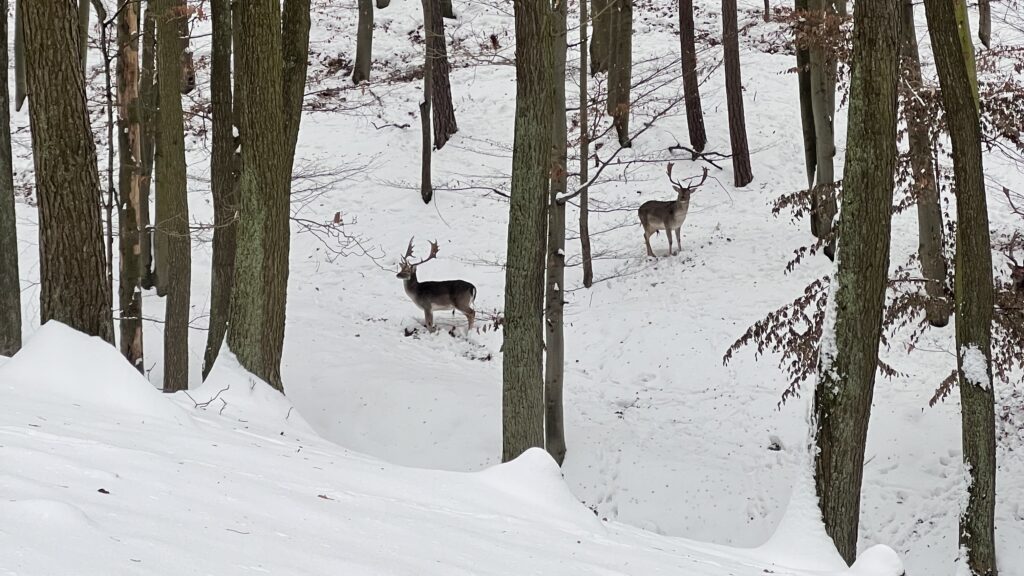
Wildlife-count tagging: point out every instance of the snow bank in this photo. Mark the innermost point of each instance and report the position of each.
(63, 365)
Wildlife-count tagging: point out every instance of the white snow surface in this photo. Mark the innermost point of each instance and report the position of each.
(975, 366)
(665, 443)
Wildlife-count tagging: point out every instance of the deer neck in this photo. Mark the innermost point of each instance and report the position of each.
(411, 285)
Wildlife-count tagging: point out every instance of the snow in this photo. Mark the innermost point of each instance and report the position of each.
(974, 366)
(674, 451)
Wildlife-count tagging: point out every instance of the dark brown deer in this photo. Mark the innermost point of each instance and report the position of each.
(667, 215)
(443, 295)
(1016, 269)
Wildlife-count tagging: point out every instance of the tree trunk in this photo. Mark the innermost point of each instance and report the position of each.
(147, 113)
(734, 95)
(523, 347)
(447, 9)
(20, 83)
(803, 73)
(823, 87)
(954, 61)
(223, 182)
(691, 90)
(129, 147)
(295, 53)
(554, 370)
(849, 349)
(620, 69)
(929, 211)
(10, 284)
(767, 11)
(599, 54)
(73, 287)
(83, 33)
(256, 323)
(985, 22)
(426, 188)
(588, 261)
(441, 89)
(364, 43)
(172, 226)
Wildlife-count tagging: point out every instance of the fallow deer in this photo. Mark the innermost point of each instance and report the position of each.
(430, 296)
(657, 215)
(1016, 269)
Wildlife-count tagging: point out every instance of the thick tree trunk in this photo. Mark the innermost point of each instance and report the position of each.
(985, 22)
(823, 87)
(734, 96)
(10, 284)
(620, 70)
(223, 180)
(803, 73)
(129, 147)
(73, 286)
(364, 43)
(270, 115)
(440, 70)
(523, 348)
(588, 261)
(172, 226)
(20, 83)
(849, 349)
(600, 11)
(447, 9)
(954, 61)
(426, 188)
(691, 89)
(554, 369)
(929, 211)
(147, 114)
(295, 53)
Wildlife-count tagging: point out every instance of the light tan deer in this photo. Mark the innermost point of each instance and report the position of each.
(667, 215)
(430, 296)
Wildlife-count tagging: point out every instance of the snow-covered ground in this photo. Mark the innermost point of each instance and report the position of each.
(661, 435)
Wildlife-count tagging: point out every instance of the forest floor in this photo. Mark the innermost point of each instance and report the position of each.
(662, 435)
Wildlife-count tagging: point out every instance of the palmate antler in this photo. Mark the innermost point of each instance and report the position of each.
(408, 254)
(679, 186)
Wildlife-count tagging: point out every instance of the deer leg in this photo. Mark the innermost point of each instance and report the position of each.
(428, 316)
(668, 233)
(647, 241)
(679, 241)
(470, 315)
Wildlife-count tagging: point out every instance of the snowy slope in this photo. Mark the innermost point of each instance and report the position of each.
(661, 435)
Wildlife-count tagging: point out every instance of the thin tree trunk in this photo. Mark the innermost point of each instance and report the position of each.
(985, 22)
(129, 147)
(523, 347)
(734, 96)
(73, 287)
(172, 197)
(767, 11)
(223, 182)
(929, 211)
(147, 114)
(691, 87)
(954, 61)
(554, 370)
(426, 188)
(849, 350)
(20, 83)
(447, 9)
(10, 284)
(108, 94)
(803, 73)
(443, 110)
(295, 53)
(588, 261)
(364, 43)
(620, 69)
(823, 87)
(599, 54)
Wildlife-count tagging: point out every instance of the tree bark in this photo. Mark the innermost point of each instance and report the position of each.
(172, 226)
(223, 181)
(848, 361)
(83, 34)
(985, 22)
(364, 43)
(129, 148)
(73, 287)
(295, 53)
(426, 188)
(620, 69)
(20, 83)
(954, 61)
(588, 261)
(147, 114)
(440, 70)
(734, 96)
(599, 54)
(691, 87)
(10, 283)
(929, 211)
(823, 87)
(803, 73)
(554, 369)
(523, 348)
(447, 9)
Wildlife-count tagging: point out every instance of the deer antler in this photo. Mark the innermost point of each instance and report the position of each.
(678, 185)
(408, 251)
(408, 254)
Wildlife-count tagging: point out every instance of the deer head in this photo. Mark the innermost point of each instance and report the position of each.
(1016, 269)
(683, 193)
(408, 268)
